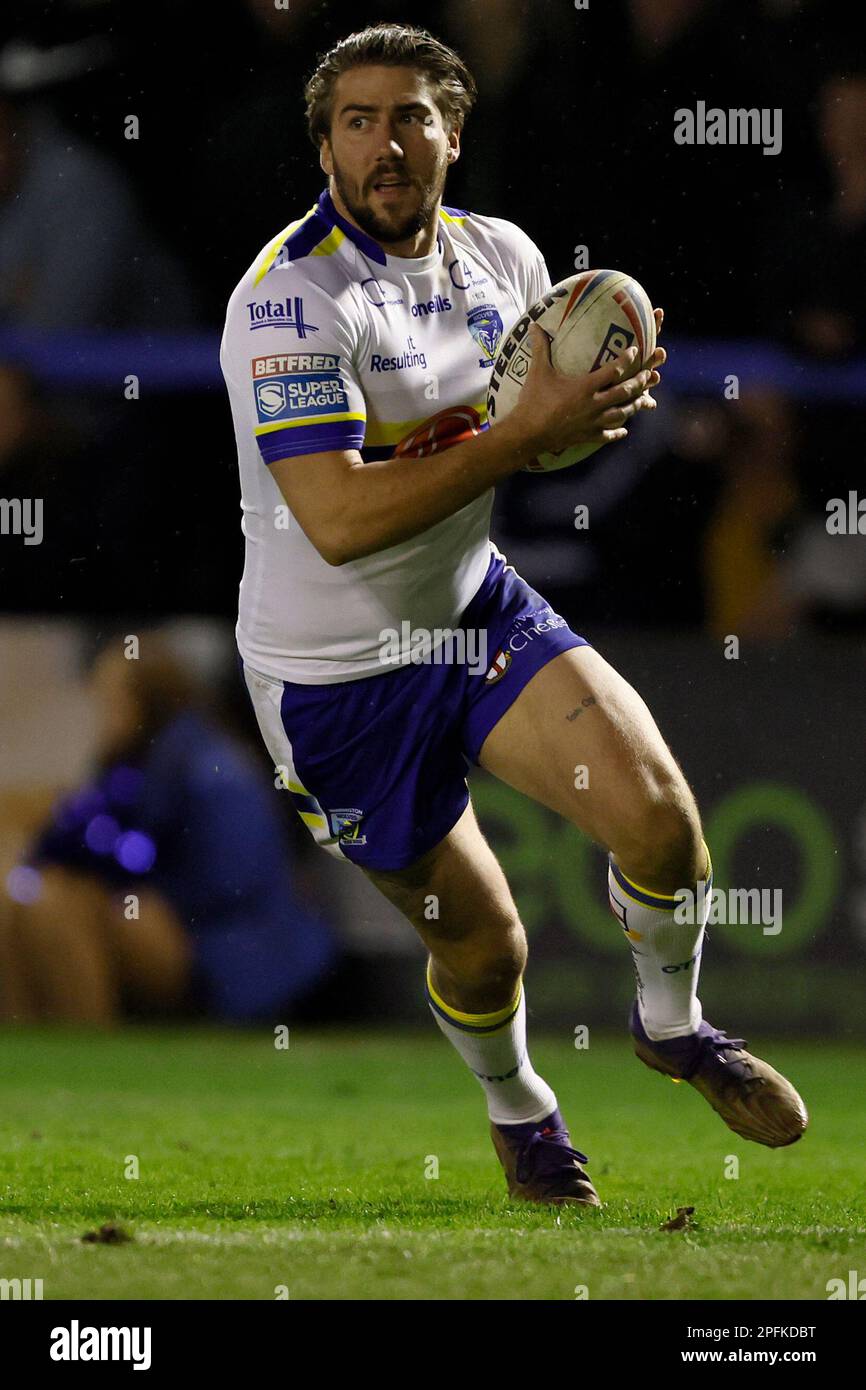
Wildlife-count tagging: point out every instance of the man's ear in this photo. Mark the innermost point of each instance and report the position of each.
(326, 161)
(453, 145)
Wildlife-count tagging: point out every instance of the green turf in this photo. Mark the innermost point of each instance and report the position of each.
(305, 1169)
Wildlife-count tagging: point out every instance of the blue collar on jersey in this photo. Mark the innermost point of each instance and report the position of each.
(364, 243)
(315, 228)
(319, 224)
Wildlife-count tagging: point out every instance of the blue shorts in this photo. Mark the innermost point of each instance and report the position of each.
(376, 767)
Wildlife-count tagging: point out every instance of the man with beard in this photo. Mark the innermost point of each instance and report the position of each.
(357, 353)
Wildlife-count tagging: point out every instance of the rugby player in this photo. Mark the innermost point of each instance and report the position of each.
(357, 352)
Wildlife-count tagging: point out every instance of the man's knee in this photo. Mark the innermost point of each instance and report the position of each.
(480, 974)
(663, 837)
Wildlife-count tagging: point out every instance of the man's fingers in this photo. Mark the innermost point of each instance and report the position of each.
(608, 398)
(539, 341)
(625, 390)
(618, 414)
(613, 371)
(626, 360)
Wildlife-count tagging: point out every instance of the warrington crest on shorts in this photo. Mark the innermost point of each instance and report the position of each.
(346, 826)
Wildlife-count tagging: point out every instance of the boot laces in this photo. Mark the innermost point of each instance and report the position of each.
(547, 1153)
(713, 1045)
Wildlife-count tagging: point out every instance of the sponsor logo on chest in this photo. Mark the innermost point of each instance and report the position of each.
(439, 305)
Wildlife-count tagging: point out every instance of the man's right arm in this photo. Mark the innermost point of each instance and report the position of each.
(349, 509)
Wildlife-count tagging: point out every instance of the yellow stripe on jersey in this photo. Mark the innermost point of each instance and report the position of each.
(330, 243)
(269, 255)
(391, 432)
(314, 822)
(309, 420)
(449, 217)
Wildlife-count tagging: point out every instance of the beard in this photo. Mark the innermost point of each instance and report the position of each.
(392, 229)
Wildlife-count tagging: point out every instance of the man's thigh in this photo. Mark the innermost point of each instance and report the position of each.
(581, 741)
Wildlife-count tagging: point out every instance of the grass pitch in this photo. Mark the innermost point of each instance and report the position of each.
(309, 1173)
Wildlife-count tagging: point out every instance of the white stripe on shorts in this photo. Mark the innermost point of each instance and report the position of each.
(266, 694)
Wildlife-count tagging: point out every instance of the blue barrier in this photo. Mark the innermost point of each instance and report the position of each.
(168, 362)
(702, 367)
(161, 361)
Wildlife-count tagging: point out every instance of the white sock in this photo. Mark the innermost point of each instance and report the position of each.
(493, 1046)
(666, 952)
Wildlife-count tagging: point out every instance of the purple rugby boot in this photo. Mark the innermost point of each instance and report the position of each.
(754, 1101)
(540, 1164)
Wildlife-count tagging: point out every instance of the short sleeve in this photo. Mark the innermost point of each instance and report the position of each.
(289, 361)
(538, 277)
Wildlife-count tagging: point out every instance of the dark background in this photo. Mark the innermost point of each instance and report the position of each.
(573, 139)
(117, 257)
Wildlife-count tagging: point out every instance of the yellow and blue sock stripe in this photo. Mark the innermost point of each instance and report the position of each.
(471, 1023)
(662, 902)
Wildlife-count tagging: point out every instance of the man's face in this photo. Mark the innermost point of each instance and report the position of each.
(388, 150)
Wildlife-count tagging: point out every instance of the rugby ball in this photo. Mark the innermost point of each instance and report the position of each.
(591, 318)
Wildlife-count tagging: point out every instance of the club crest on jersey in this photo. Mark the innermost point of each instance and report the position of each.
(498, 667)
(280, 313)
(485, 325)
(346, 824)
(616, 340)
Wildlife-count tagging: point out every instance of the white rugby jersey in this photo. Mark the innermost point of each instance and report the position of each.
(329, 343)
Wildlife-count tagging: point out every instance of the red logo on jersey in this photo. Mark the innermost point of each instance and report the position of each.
(440, 432)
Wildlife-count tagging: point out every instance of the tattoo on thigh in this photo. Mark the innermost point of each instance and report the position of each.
(584, 704)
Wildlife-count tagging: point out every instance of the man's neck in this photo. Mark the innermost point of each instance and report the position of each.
(412, 248)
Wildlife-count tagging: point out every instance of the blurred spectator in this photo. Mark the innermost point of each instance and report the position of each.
(74, 249)
(164, 883)
(824, 576)
(828, 304)
(744, 592)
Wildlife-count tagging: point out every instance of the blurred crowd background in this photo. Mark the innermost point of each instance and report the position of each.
(117, 256)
